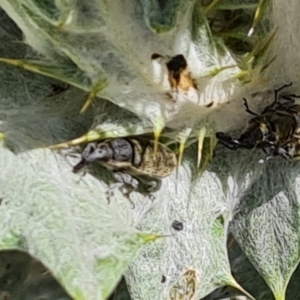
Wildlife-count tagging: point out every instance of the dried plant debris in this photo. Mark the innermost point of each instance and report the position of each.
(177, 79)
(186, 288)
(276, 130)
(175, 76)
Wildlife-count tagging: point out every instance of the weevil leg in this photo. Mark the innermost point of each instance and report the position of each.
(278, 151)
(83, 174)
(293, 96)
(248, 109)
(74, 155)
(288, 106)
(290, 98)
(227, 141)
(282, 152)
(282, 87)
(268, 156)
(277, 91)
(275, 101)
(152, 187)
(129, 181)
(111, 190)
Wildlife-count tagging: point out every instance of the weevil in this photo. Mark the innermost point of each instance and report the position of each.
(273, 130)
(130, 161)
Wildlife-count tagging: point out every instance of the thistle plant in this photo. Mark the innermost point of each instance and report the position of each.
(174, 72)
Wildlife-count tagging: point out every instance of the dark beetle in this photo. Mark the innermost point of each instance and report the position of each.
(275, 130)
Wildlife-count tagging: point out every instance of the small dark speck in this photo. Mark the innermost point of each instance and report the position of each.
(1, 199)
(177, 225)
(57, 89)
(163, 279)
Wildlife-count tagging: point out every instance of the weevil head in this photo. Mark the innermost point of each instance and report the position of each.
(92, 152)
(97, 151)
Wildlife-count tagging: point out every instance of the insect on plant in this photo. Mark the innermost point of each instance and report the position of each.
(276, 130)
(131, 161)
